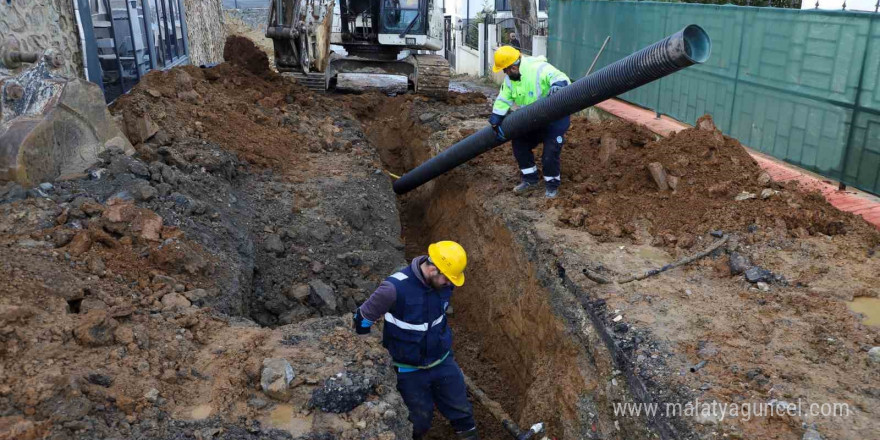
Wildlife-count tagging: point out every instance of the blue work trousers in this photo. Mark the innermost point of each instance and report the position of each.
(552, 135)
(442, 385)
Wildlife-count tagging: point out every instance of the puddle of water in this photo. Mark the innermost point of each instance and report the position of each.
(281, 415)
(284, 417)
(870, 307)
(651, 253)
(201, 412)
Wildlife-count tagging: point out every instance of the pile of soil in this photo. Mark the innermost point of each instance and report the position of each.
(609, 191)
(243, 52)
(457, 98)
(268, 120)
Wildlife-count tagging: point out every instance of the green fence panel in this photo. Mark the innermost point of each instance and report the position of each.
(807, 132)
(801, 85)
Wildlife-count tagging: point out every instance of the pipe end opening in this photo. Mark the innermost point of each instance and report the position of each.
(697, 44)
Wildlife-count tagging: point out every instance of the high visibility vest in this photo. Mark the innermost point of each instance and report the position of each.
(537, 75)
(416, 331)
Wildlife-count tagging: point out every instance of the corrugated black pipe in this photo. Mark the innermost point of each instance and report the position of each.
(684, 48)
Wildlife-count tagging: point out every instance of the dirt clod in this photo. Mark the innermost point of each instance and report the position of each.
(243, 52)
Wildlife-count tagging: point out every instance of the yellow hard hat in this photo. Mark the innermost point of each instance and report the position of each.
(505, 56)
(450, 258)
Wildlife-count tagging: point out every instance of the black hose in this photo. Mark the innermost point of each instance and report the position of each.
(684, 48)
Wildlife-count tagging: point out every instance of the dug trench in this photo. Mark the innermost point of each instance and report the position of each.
(764, 316)
(509, 334)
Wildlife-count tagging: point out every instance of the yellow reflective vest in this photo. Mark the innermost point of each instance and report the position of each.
(536, 77)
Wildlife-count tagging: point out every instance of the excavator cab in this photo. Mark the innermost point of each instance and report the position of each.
(402, 17)
(384, 44)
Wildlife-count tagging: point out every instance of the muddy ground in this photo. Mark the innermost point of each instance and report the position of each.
(159, 295)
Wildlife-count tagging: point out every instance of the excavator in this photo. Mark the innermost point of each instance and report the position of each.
(379, 38)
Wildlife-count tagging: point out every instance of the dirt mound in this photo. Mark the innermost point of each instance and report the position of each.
(268, 120)
(614, 194)
(243, 52)
(456, 98)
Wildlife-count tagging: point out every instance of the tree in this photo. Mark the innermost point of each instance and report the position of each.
(525, 13)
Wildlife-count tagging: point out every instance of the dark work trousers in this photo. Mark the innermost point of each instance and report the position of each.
(552, 135)
(442, 385)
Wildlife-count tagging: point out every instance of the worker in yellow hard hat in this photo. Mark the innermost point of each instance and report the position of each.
(527, 80)
(413, 301)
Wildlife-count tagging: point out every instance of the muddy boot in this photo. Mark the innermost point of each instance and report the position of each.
(551, 193)
(470, 434)
(524, 188)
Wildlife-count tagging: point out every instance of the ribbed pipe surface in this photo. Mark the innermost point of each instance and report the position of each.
(684, 48)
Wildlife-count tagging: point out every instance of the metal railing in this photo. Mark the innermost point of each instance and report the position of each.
(517, 33)
(470, 33)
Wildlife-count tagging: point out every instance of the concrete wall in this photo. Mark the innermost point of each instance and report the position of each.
(467, 61)
(43, 24)
(539, 46)
(206, 30)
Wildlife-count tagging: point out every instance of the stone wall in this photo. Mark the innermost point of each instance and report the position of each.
(206, 30)
(38, 25)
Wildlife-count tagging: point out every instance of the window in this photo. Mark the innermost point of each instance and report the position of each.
(167, 28)
(120, 40)
(397, 15)
(127, 38)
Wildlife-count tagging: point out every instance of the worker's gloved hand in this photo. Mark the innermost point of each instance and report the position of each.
(361, 324)
(495, 121)
(557, 86)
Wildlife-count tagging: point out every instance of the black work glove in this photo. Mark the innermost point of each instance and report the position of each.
(495, 121)
(557, 86)
(361, 324)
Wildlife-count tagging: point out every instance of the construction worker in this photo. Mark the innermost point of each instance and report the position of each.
(529, 79)
(413, 302)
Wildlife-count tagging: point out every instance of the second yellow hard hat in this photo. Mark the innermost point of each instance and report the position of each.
(450, 258)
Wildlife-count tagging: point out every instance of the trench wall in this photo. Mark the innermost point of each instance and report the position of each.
(532, 331)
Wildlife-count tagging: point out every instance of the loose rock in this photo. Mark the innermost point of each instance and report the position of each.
(274, 244)
(341, 393)
(756, 273)
(322, 296)
(659, 175)
(275, 378)
(738, 263)
(173, 300)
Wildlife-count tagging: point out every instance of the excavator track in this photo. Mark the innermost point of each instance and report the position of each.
(313, 81)
(432, 76)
